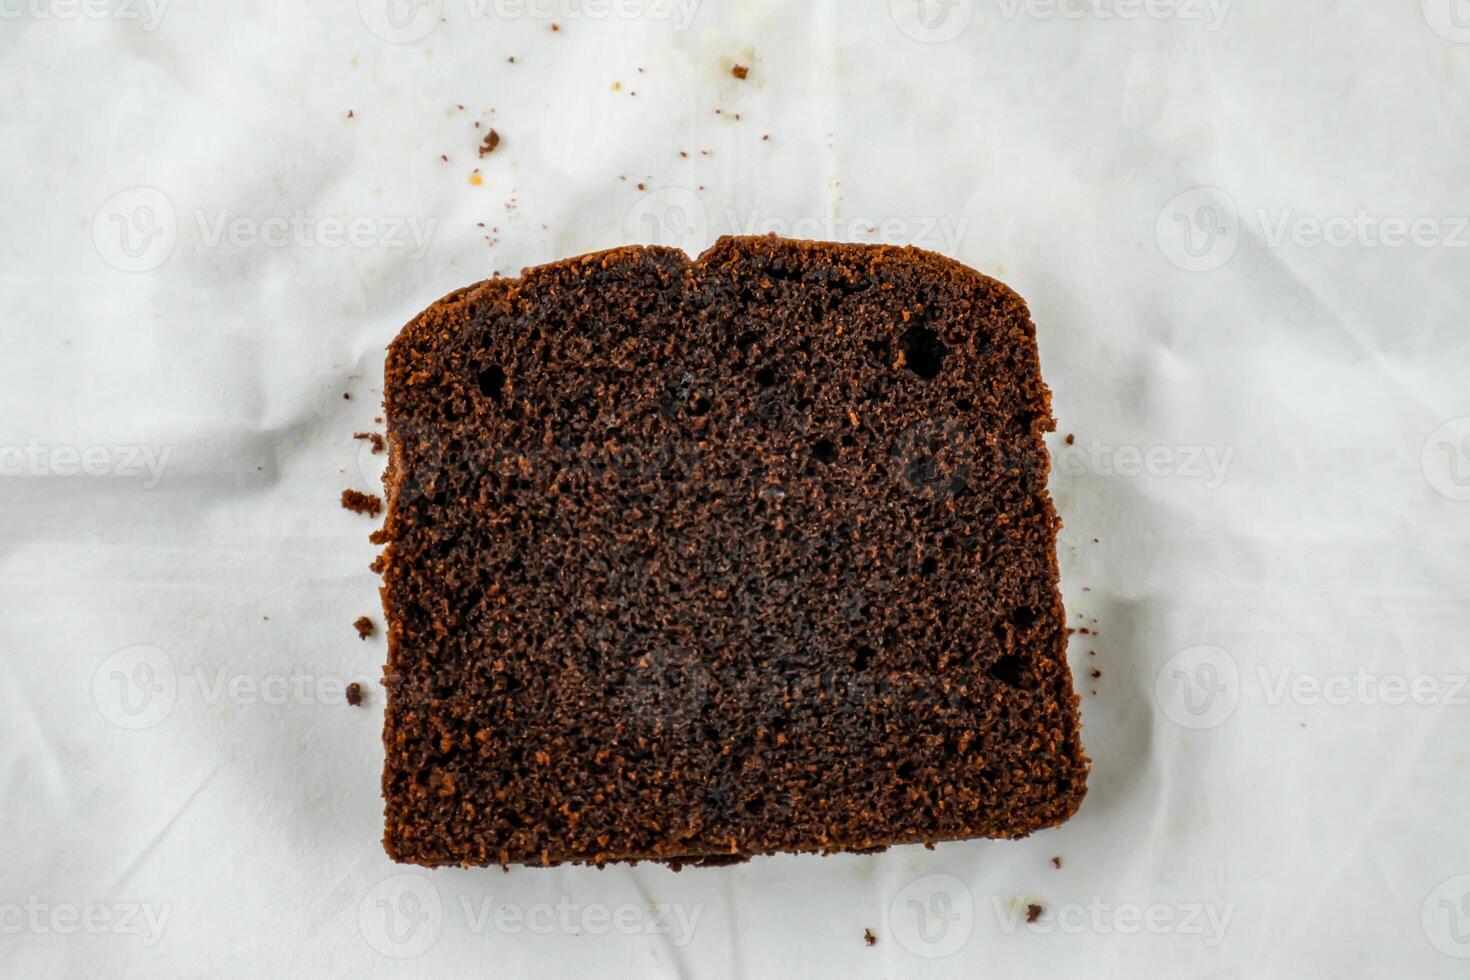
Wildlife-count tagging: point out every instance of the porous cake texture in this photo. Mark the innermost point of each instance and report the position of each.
(694, 560)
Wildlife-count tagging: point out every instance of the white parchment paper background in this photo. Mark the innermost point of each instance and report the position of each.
(1240, 227)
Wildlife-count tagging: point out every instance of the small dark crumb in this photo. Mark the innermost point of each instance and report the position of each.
(378, 419)
(1071, 438)
(684, 154)
(1096, 673)
(643, 187)
(444, 157)
(1084, 631)
(556, 27)
(377, 440)
(354, 694)
(349, 113)
(869, 938)
(491, 141)
(1033, 912)
(362, 503)
(766, 137)
(741, 72)
(1056, 862)
(346, 396)
(511, 59)
(364, 627)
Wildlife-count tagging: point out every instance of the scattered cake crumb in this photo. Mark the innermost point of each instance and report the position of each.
(491, 141)
(364, 627)
(349, 113)
(741, 72)
(1056, 862)
(346, 396)
(377, 440)
(556, 27)
(362, 503)
(1071, 438)
(869, 938)
(354, 694)
(1033, 912)
(1096, 673)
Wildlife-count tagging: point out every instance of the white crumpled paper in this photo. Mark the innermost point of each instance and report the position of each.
(1240, 228)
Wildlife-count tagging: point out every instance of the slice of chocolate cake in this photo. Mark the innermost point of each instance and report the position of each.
(692, 561)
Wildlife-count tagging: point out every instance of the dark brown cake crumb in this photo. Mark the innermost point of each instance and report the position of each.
(1033, 912)
(362, 503)
(869, 938)
(354, 694)
(1056, 862)
(1096, 673)
(695, 560)
(741, 72)
(490, 142)
(364, 627)
(378, 443)
(1071, 439)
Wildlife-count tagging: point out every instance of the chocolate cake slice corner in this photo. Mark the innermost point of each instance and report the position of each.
(690, 561)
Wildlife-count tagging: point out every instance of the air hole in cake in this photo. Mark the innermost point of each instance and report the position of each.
(1009, 669)
(861, 657)
(765, 377)
(1023, 616)
(923, 353)
(491, 381)
(823, 451)
(701, 406)
(929, 566)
